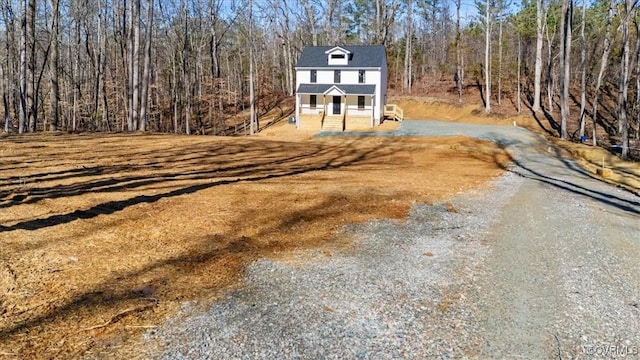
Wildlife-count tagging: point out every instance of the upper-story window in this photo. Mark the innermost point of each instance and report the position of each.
(337, 56)
(336, 76)
(361, 77)
(314, 76)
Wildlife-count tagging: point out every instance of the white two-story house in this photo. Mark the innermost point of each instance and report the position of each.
(341, 87)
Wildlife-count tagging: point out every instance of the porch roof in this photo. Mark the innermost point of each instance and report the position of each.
(347, 89)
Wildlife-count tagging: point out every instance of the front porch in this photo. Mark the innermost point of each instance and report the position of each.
(331, 108)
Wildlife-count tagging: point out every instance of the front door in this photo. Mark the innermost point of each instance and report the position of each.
(336, 105)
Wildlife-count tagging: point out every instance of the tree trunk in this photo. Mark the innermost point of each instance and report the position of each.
(637, 114)
(102, 68)
(53, 66)
(174, 94)
(487, 56)
(252, 96)
(500, 12)
(129, 50)
(565, 48)
(549, 80)
(603, 66)
(458, 76)
(31, 65)
(624, 79)
(519, 99)
(7, 64)
(135, 105)
(5, 97)
(583, 71)
(185, 71)
(538, 66)
(144, 96)
(75, 79)
(408, 48)
(329, 25)
(23, 68)
(312, 22)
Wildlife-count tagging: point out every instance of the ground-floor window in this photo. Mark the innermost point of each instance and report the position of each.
(313, 101)
(360, 102)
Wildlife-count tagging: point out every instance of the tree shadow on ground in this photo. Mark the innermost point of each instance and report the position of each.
(521, 168)
(222, 255)
(481, 92)
(213, 165)
(180, 171)
(555, 127)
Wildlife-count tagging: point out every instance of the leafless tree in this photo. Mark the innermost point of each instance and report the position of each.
(603, 66)
(144, 95)
(408, 50)
(458, 76)
(583, 70)
(487, 55)
(625, 73)
(565, 51)
(538, 65)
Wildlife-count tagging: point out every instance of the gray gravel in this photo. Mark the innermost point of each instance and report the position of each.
(545, 265)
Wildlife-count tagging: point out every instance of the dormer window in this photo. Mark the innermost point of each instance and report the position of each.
(338, 56)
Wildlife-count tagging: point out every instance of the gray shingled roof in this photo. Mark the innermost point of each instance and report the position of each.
(351, 89)
(362, 57)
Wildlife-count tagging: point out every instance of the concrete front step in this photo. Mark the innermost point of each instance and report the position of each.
(332, 125)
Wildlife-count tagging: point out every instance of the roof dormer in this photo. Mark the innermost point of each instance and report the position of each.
(338, 56)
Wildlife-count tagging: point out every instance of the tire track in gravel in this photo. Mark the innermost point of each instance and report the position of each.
(562, 279)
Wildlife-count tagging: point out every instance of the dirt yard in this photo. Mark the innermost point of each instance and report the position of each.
(103, 236)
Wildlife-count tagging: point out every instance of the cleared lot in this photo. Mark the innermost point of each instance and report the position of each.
(102, 236)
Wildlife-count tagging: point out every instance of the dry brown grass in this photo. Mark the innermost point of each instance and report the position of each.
(103, 236)
(421, 108)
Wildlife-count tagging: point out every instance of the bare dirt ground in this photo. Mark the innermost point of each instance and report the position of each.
(104, 236)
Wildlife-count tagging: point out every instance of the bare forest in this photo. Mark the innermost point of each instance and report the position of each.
(192, 66)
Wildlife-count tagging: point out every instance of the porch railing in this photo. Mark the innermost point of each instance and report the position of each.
(394, 112)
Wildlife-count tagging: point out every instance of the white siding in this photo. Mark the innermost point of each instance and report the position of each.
(303, 77)
(325, 77)
(377, 77)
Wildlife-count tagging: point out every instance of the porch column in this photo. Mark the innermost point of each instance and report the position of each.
(344, 118)
(297, 111)
(373, 109)
(344, 98)
(324, 109)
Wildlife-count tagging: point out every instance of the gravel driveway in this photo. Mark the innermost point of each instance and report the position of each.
(545, 265)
